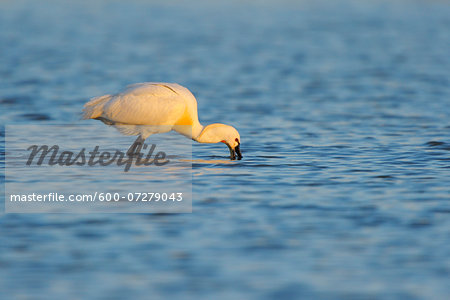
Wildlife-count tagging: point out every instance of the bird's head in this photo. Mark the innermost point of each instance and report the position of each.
(226, 134)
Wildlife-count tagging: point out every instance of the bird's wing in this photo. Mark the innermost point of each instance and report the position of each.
(145, 104)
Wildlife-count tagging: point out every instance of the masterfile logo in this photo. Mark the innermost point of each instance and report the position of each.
(53, 156)
(90, 169)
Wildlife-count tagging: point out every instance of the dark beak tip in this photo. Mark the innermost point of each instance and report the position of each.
(235, 153)
(238, 152)
(239, 155)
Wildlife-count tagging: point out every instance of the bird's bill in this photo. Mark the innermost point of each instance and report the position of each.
(235, 153)
(238, 151)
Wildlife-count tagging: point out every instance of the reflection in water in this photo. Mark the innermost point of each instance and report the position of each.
(210, 161)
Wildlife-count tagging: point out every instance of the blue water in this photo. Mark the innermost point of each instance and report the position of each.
(343, 108)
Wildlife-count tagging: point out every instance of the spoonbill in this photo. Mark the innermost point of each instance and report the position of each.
(157, 103)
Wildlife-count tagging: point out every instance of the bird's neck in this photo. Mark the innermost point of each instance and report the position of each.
(208, 134)
(197, 130)
(193, 131)
(205, 135)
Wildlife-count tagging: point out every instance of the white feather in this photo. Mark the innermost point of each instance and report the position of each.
(155, 107)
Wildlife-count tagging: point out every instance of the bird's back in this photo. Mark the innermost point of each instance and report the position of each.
(143, 104)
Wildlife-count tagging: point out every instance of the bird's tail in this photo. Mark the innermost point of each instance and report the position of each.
(94, 108)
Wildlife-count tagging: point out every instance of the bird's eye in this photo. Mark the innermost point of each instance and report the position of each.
(237, 140)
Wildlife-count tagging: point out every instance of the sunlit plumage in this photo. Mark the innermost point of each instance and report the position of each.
(167, 104)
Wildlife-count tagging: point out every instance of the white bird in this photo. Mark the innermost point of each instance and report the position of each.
(169, 106)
